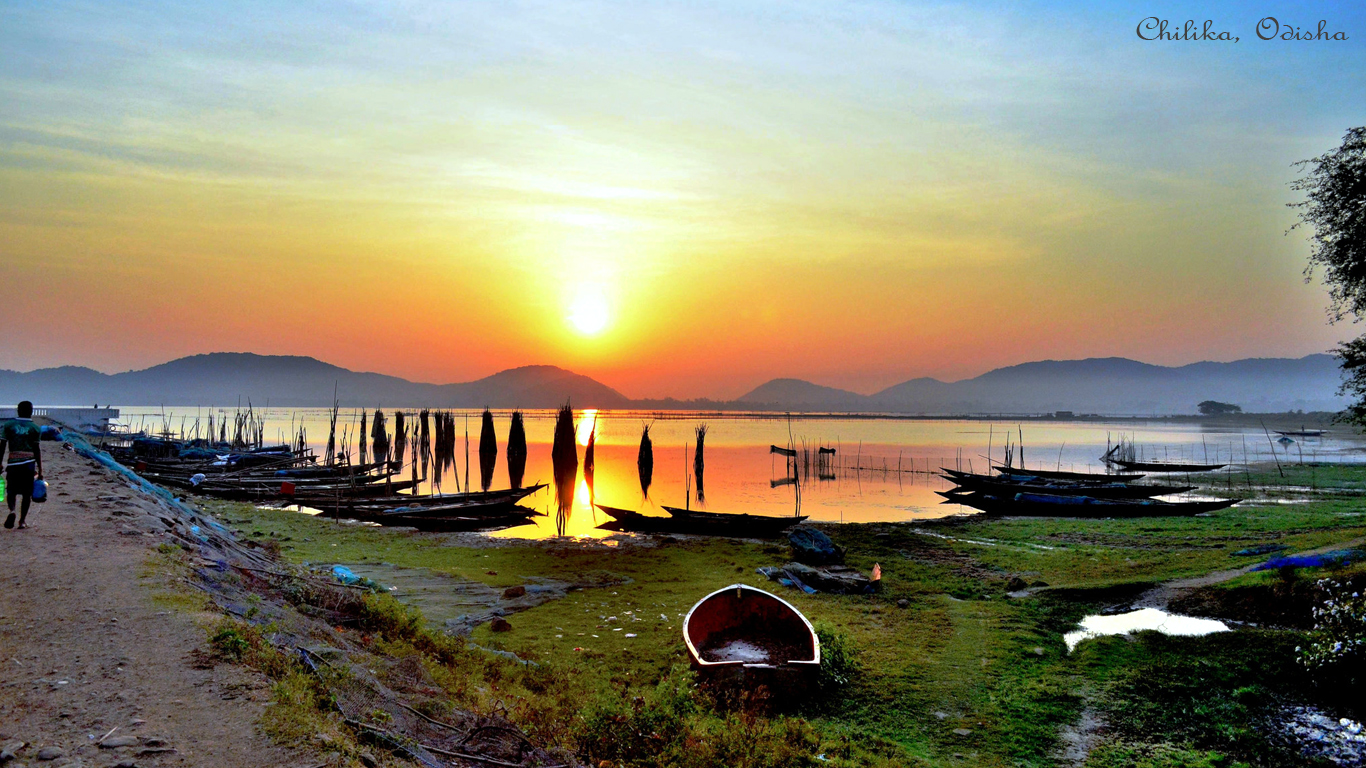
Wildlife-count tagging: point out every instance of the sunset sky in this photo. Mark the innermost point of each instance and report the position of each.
(676, 198)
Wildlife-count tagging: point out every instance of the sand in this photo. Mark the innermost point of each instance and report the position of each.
(85, 650)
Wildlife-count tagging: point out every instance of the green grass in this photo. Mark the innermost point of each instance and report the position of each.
(961, 656)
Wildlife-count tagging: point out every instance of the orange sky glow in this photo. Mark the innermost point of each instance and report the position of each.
(680, 200)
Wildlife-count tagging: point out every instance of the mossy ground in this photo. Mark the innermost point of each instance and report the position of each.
(963, 674)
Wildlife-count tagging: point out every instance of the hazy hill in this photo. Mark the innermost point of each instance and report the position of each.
(1098, 385)
(796, 392)
(225, 378)
(1111, 385)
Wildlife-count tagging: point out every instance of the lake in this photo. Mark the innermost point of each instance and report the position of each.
(883, 469)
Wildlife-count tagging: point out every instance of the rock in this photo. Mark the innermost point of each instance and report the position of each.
(1016, 584)
(500, 625)
(511, 592)
(368, 760)
(942, 715)
(831, 578)
(813, 547)
(50, 753)
(1037, 583)
(116, 742)
(903, 603)
(6, 756)
(962, 732)
(126, 764)
(1037, 651)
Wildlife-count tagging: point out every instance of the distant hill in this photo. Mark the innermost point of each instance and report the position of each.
(224, 378)
(797, 392)
(1112, 385)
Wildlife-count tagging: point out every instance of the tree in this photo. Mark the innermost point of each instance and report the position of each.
(1216, 408)
(1335, 209)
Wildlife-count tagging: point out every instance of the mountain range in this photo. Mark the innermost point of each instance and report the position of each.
(1112, 385)
(1096, 385)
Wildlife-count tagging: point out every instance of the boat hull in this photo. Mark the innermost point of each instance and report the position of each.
(743, 638)
(1043, 505)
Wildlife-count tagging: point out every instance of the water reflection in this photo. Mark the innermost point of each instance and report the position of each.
(880, 469)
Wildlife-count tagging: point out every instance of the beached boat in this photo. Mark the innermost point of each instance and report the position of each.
(1049, 505)
(456, 505)
(699, 523)
(1010, 484)
(1085, 477)
(1164, 466)
(422, 502)
(505, 518)
(745, 637)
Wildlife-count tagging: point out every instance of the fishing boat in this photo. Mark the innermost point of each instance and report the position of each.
(745, 637)
(505, 518)
(1088, 477)
(1164, 466)
(458, 505)
(1050, 505)
(510, 495)
(700, 523)
(1011, 484)
(1301, 432)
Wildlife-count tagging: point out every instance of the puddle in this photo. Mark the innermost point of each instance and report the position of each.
(1096, 625)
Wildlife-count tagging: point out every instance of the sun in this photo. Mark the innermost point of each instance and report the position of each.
(588, 312)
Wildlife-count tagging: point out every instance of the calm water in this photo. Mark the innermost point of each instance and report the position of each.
(883, 469)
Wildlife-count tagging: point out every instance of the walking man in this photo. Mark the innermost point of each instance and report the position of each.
(21, 437)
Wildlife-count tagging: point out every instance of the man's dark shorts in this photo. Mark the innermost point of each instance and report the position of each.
(19, 480)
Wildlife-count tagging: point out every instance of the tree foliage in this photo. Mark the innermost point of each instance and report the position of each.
(1216, 408)
(1334, 208)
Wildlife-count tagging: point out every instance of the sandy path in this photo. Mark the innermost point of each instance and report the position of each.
(1162, 594)
(84, 649)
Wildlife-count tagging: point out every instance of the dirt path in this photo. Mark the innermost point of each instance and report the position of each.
(83, 648)
(1162, 594)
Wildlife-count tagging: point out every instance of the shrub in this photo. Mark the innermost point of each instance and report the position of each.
(1336, 648)
(838, 662)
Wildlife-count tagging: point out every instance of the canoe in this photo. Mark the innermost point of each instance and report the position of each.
(424, 500)
(275, 492)
(699, 523)
(1165, 466)
(744, 637)
(454, 506)
(1301, 432)
(1088, 477)
(452, 523)
(1012, 484)
(1046, 505)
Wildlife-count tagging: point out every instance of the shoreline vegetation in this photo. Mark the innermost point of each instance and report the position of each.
(570, 650)
(949, 665)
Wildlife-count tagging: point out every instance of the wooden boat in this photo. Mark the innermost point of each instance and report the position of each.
(1047, 505)
(699, 523)
(1059, 475)
(1165, 466)
(507, 518)
(425, 501)
(744, 637)
(1301, 432)
(281, 491)
(1011, 484)
(454, 506)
